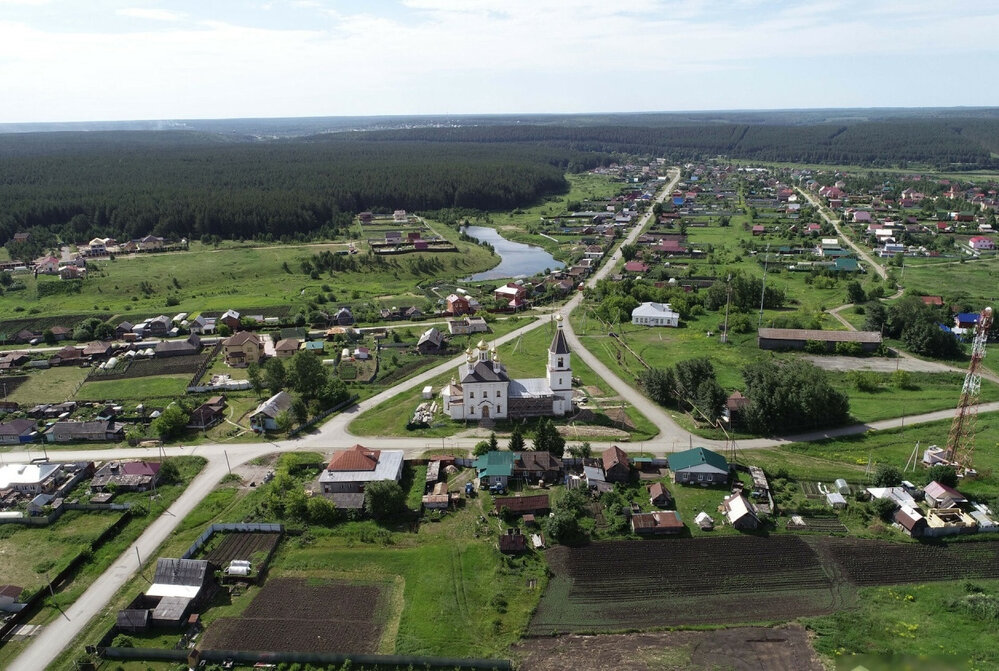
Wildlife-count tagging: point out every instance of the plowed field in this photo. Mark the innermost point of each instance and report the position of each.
(298, 615)
(671, 582)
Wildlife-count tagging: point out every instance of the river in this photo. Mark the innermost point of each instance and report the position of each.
(516, 258)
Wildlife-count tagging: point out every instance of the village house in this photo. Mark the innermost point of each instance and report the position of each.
(231, 319)
(617, 466)
(264, 418)
(133, 476)
(483, 390)
(29, 478)
(656, 523)
(655, 314)
(457, 306)
(98, 431)
(980, 242)
(208, 414)
(286, 348)
(243, 348)
(202, 325)
(699, 466)
(18, 431)
(431, 342)
(67, 356)
(467, 326)
(942, 496)
(47, 265)
(740, 513)
(349, 471)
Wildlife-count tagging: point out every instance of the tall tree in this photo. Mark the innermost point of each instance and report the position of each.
(548, 439)
(274, 375)
(516, 439)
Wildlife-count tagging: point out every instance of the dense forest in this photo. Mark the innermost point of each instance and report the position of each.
(177, 184)
(197, 183)
(952, 143)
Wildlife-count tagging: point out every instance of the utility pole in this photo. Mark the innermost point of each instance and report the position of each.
(763, 292)
(227, 461)
(728, 299)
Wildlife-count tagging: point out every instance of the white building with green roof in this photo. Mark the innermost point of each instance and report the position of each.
(699, 466)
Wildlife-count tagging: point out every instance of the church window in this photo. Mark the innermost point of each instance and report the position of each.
(498, 394)
(471, 394)
(471, 410)
(560, 364)
(499, 409)
(485, 394)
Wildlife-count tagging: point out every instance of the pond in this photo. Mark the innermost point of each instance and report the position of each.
(517, 259)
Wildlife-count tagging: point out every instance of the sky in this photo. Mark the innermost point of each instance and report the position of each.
(69, 60)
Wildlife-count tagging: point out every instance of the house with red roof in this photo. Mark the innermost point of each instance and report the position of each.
(349, 471)
(982, 242)
(636, 267)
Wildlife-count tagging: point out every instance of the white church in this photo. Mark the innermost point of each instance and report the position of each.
(483, 390)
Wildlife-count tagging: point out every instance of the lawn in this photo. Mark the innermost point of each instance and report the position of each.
(135, 389)
(29, 552)
(53, 385)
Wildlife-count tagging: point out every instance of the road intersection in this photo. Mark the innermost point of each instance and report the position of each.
(335, 434)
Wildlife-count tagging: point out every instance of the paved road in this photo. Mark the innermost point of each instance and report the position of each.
(334, 435)
(878, 268)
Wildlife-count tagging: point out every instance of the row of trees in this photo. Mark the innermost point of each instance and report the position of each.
(785, 396)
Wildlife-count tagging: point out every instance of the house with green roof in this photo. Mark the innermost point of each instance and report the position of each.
(699, 466)
(495, 468)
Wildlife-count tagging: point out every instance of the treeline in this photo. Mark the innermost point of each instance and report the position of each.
(133, 184)
(951, 143)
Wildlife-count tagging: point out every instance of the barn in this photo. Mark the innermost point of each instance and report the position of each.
(796, 339)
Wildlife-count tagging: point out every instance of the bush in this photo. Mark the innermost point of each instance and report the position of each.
(887, 475)
(865, 380)
(883, 508)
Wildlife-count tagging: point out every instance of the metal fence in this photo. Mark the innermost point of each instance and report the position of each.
(239, 527)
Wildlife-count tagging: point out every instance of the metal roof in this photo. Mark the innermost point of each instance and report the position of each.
(697, 456)
(824, 336)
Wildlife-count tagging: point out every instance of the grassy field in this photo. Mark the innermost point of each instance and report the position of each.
(975, 281)
(240, 277)
(29, 552)
(135, 389)
(944, 625)
(54, 385)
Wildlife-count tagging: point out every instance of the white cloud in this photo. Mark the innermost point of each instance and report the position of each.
(480, 56)
(150, 14)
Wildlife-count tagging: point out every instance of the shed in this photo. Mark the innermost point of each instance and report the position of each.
(704, 521)
(662, 522)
